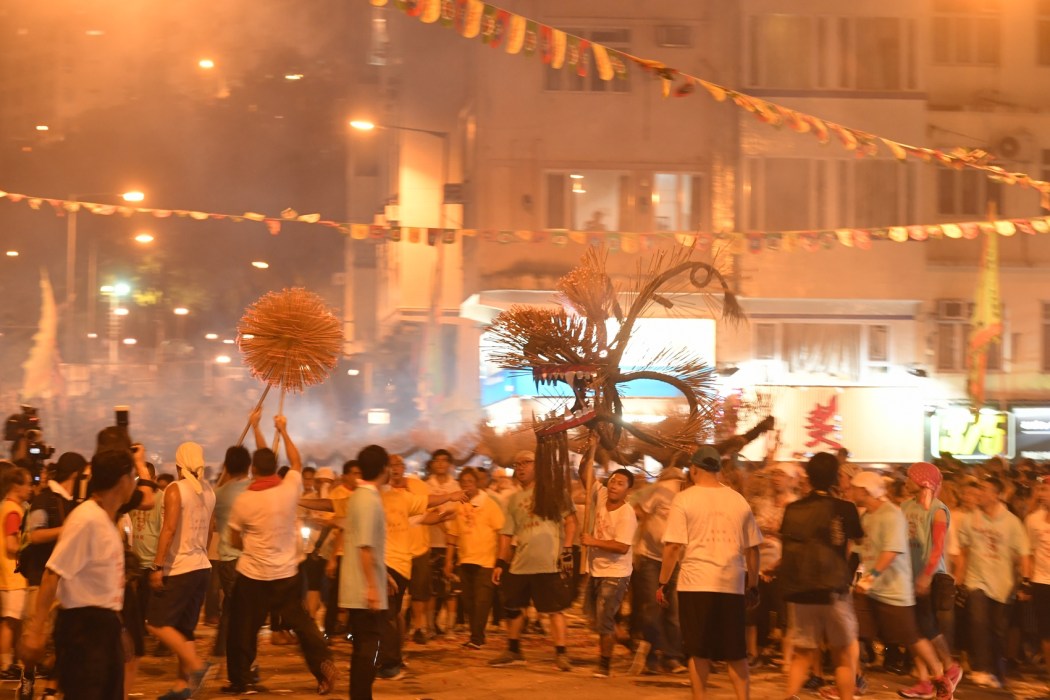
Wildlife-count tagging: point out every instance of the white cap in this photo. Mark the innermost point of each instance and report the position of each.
(870, 482)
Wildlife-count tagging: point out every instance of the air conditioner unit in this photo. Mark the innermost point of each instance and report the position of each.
(674, 36)
(954, 310)
(1017, 146)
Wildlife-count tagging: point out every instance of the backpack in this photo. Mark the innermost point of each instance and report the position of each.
(810, 562)
(31, 559)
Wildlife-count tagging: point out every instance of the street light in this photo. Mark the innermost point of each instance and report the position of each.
(115, 292)
(181, 311)
(144, 238)
(12, 253)
(260, 265)
(71, 260)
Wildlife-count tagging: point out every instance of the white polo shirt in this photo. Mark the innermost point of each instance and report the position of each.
(89, 560)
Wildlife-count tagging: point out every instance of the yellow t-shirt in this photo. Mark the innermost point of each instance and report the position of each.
(419, 534)
(9, 580)
(399, 505)
(476, 527)
(340, 496)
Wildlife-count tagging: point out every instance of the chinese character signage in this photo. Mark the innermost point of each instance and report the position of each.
(959, 432)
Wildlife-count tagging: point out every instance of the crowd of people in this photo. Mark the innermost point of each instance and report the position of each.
(927, 568)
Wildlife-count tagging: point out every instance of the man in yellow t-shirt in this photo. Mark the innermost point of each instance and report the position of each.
(405, 504)
(473, 542)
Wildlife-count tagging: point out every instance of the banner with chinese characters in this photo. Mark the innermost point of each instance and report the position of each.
(969, 436)
(878, 425)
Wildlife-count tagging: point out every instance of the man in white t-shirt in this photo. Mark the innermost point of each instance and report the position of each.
(609, 559)
(86, 574)
(718, 578)
(262, 526)
(180, 571)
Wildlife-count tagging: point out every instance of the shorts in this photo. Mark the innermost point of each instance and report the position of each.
(834, 623)
(312, 569)
(439, 587)
(178, 603)
(13, 604)
(545, 591)
(891, 624)
(940, 598)
(419, 583)
(712, 625)
(1041, 603)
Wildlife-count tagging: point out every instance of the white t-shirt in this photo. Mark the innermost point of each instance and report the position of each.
(266, 521)
(619, 525)
(89, 559)
(1039, 535)
(717, 527)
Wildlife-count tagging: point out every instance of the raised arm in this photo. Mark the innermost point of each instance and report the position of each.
(253, 419)
(294, 462)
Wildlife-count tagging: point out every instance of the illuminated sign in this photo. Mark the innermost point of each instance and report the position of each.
(958, 432)
(1033, 432)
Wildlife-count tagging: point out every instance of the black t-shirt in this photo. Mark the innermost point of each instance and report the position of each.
(815, 532)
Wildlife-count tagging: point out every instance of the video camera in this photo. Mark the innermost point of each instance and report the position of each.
(26, 426)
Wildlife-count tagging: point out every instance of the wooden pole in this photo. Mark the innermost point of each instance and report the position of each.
(240, 440)
(587, 472)
(277, 434)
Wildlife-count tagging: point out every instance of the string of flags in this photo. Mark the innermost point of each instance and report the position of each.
(516, 34)
(615, 241)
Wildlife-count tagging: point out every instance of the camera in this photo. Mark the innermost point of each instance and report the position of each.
(26, 426)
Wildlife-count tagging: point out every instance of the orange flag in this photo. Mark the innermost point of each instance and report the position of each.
(986, 324)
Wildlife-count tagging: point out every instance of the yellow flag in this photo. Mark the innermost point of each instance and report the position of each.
(986, 324)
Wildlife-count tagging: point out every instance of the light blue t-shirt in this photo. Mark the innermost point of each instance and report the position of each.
(920, 534)
(365, 526)
(993, 546)
(886, 530)
(225, 495)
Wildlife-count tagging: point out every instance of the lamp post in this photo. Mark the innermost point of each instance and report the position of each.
(115, 292)
(430, 330)
(71, 260)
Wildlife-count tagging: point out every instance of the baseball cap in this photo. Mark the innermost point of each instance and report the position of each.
(707, 458)
(325, 473)
(870, 482)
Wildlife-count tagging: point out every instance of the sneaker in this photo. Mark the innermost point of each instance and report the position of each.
(860, 685)
(11, 673)
(814, 683)
(25, 688)
(250, 689)
(254, 672)
(954, 676)
(675, 666)
(329, 677)
(197, 679)
(641, 653)
(508, 658)
(943, 687)
(601, 672)
(473, 646)
(985, 680)
(923, 690)
(562, 663)
(419, 637)
(394, 673)
(831, 692)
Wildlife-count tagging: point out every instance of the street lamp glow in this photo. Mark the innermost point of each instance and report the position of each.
(181, 311)
(133, 196)
(206, 63)
(294, 76)
(92, 335)
(130, 341)
(259, 264)
(228, 341)
(43, 127)
(223, 359)
(121, 289)
(144, 238)
(362, 125)
(12, 253)
(353, 372)
(106, 289)
(120, 311)
(211, 336)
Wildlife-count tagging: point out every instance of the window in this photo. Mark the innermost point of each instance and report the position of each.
(832, 53)
(1042, 32)
(878, 345)
(831, 349)
(966, 32)
(799, 194)
(953, 339)
(765, 341)
(677, 200)
(588, 200)
(967, 193)
(1046, 336)
(568, 79)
